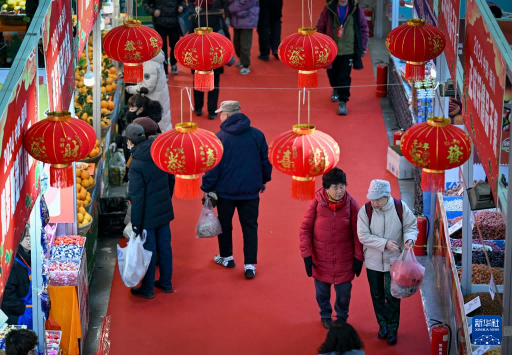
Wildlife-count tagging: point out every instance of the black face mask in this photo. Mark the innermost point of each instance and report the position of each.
(131, 116)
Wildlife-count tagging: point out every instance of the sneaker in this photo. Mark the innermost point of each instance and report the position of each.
(334, 96)
(174, 69)
(228, 262)
(327, 322)
(245, 71)
(264, 58)
(198, 112)
(342, 109)
(165, 289)
(136, 291)
(250, 271)
(239, 65)
(212, 116)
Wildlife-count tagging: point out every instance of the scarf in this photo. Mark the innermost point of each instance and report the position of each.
(333, 204)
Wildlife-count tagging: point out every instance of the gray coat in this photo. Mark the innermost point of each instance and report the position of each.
(244, 14)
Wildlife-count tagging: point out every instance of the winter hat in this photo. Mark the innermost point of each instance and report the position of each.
(229, 106)
(150, 126)
(135, 133)
(378, 189)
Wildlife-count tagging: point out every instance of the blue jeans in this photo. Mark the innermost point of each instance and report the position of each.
(341, 304)
(158, 240)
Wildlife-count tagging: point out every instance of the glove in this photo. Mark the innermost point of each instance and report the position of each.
(136, 230)
(113, 148)
(357, 267)
(308, 262)
(212, 195)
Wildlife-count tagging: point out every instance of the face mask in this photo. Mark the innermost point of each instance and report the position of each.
(131, 116)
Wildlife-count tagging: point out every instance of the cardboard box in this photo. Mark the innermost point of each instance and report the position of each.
(398, 165)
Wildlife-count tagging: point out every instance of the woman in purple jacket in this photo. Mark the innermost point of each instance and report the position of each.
(345, 22)
(244, 16)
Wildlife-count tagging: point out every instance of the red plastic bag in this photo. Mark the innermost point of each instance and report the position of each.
(406, 275)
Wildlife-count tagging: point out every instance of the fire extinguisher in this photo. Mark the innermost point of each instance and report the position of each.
(397, 136)
(420, 247)
(382, 79)
(441, 338)
(368, 13)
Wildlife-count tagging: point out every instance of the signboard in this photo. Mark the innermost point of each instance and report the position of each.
(57, 35)
(87, 11)
(484, 88)
(449, 17)
(19, 184)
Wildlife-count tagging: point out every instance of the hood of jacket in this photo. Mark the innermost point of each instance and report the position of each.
(236, 124)
(160, 58)
(142, 151)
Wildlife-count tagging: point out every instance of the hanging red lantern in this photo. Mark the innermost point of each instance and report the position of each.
(60, 140)
(435, 146)
(304, 153)
(132, 44)
(203, 51)
(307, 51)
(417, 43)
(187, 151)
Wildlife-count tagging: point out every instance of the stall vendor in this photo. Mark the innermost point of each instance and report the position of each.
(17, 301)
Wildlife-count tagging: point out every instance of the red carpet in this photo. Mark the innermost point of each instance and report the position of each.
(215, 310)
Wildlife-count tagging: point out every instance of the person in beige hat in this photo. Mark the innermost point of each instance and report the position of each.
(385, 227)
(238, 181)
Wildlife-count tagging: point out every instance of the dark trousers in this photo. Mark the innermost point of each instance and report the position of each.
(248, 216)
(269, 34)
(243, 42)
(213, 96)
(174, 36)
(339, 75)
(342, 302)
(158, 240)
(387, 307)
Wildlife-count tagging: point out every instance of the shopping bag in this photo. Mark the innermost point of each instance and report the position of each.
(133, 260)
(406, 275)
(117, 169)
(128, 232)
(208, 225)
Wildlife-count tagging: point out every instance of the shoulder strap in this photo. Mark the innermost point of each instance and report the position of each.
(399, 209)
(369, 210)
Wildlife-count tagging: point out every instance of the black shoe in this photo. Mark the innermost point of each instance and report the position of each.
(264, 58)
(198, 112)
(334, 96)
(392, 338)
(326, 322)
(137, 292)
(226, 263)
(342, 109)
(165, 289)
(383, 332)
(212, 116)
(250, 271)
(275, 55)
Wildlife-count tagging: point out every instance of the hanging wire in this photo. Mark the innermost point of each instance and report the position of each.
(298, 121)
(207, 25)
(309, 107)
(302, 13)
(310, 8)
(189, 91)
(198, 10)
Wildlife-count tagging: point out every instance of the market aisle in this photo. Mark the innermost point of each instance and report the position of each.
(216, 310)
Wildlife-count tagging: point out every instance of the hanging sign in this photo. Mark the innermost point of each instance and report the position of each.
(87, 11)
(449, 18)
(484, 88)
(18, 182)
(57, 35)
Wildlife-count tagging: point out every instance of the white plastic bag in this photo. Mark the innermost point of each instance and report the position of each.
(128, 232)
(208, 225)
(133, 260)
(406, 275)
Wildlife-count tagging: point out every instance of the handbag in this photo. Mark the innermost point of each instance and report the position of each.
(184, 20)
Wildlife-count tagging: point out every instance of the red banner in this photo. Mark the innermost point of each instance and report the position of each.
(449, 23)
(57, 34)
(484, 89)
(18, 186)
(87, 11)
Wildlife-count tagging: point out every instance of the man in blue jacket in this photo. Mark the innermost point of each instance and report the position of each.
(237, 181)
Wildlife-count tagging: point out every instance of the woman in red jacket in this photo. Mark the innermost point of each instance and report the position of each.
(330, 246)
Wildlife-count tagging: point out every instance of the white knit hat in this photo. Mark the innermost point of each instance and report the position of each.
(378, 189)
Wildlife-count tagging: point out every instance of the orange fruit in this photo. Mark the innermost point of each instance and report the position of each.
(85, 175)
(109, 81)
(84, 116)
(111, 105)
(103, 89)
(113, 70)
(104, 104)
(109, 88)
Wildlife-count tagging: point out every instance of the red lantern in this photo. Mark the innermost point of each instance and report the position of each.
(60, 140)
(187, 151)
(132, 44)
(435, 146)
(307, 51)
(416, 43)
(304, 153)
(203, 51)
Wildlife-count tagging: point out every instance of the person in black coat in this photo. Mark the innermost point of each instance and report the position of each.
(269, 27)
(238, 180)
(150, 193)
(17, 300)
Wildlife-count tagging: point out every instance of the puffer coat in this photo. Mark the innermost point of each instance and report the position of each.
(168, 11)
(244, 14)
(331, 238)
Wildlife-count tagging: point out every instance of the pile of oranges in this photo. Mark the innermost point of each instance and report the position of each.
(95, 151)
(83, 217)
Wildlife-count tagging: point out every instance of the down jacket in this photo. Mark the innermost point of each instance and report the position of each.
(168, 11)
(156, 83)
(331, 238)
(385, 226)
(17, 287)
(244, 14)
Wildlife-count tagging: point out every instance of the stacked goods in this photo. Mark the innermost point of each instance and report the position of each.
(83, 197)
(493, 352)
(482, 276)
(458, 189)
(497, 258)
(491, 223)
(13, 7)
(83, 177)
(488, 308)
(457, 243)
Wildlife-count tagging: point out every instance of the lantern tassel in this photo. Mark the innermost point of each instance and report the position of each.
(204, 81)
(303, 189)
(415, 71)
(308, 79)
(432, 180)
(61, 176)
(187, 187)
(133, 73)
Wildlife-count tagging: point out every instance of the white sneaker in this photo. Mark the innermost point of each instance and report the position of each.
(245, 71)
(250, 271)
(228, 262)
(239, 65)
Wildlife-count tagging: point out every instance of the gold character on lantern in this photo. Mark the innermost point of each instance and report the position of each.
(316, 161)
(218, 57)
(437, 43)
(154, 42)
(36, 150)
(189, 59)
(174, 164)
(389, 42)
(419, 153)
(71, 152)
(129, 46)
(210, 160)
(295, 56)
(323, 56)
(454, 154)
(286, 162)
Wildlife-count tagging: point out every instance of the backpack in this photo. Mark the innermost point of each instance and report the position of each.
(398, 207)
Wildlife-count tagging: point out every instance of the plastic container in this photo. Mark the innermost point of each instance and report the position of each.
(64, 277)
(111, 217)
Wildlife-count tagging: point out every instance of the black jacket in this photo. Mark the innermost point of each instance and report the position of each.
(153, 111)
(150, 189)
(271, 8)
(18, 286)
(168, 11)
